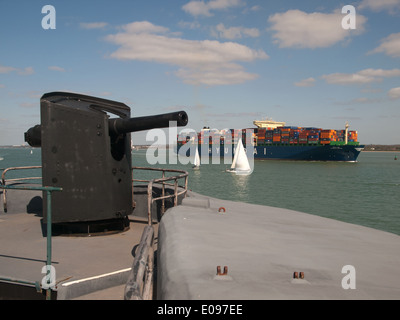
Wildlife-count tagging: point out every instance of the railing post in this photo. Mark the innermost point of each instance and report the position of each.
(49, 235)
(133, 193)
(50, 277)
(4, 200)
(3, 182)
(163, 194)
(186, 185)
(149, 201)
(176, 193)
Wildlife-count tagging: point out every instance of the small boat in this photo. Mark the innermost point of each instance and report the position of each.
(240, 164)
(196, 163)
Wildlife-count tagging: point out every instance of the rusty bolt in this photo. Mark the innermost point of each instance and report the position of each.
(219, 273)
(295, 275)
(301, 275)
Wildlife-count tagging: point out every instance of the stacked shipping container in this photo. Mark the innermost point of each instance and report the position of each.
(280, 135)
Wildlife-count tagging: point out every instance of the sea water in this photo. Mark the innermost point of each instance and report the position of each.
(366, 192)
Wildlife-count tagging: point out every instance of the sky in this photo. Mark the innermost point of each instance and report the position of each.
(225, 62)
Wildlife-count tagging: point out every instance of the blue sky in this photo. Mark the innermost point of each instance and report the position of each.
(225, 62)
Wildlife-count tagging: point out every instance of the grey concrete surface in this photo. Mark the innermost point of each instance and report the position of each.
(263, 247)
(83, 265)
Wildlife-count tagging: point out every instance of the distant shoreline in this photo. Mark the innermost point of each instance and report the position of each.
(392, 151)
(367, 148)
(381, 148)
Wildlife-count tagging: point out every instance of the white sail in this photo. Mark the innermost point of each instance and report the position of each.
(240, 164)
(196, 162)
(235, 156)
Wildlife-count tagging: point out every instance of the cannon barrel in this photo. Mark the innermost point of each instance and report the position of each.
(120, 126)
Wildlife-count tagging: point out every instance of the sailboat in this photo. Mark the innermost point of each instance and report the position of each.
(196, 163)
(240, 164)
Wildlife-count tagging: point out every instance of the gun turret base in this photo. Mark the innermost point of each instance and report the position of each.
(90, 228)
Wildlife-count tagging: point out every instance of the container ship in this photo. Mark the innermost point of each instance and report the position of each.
(275, 140)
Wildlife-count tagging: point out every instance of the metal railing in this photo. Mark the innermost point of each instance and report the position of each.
(4, 181)
(164, 182)
(140, 282)
(48, 278)
(139, 285)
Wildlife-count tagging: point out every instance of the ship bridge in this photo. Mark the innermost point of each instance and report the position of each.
(268, 123)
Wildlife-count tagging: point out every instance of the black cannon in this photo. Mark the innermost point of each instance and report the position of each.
(88, 155)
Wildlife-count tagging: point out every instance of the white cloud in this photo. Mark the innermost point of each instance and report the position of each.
(28, 105)
(255, 8)
(93, 25)
(200, 62)
(216, 75)
(358, 101)
(197, 8)
(23, 72)
(394, 93)
(201, 8)
(362, 77)
(298, 29)
(236, 32)
(309, 82)
(380, 73)
(56, 68)
(379, 5)
(390, 46)
(371, 90)
(143, 27)
(189, 25)
(347, 78)
(4, 69)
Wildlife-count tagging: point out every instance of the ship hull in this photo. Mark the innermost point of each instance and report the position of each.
(309, 153)
(347, 153)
